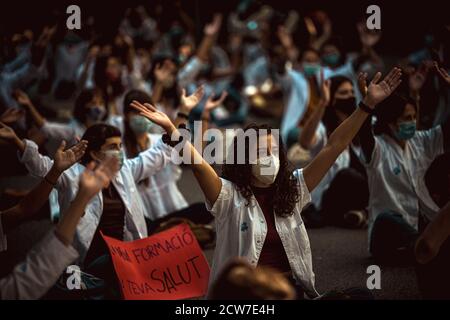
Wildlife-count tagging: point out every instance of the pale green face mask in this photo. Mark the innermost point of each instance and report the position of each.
(311, 69)
(117, 154)
(140, 124)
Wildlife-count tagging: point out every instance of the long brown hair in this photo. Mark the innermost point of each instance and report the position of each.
(285, 186)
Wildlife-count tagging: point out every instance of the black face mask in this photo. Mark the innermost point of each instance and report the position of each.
(346, 106)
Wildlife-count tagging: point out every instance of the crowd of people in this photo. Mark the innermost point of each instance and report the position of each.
(96, 119)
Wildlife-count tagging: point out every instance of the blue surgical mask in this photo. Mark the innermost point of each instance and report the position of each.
(96, 113)
(406, 130)
(311, 69)
(118, 154)
(331, 59)
(140, 124)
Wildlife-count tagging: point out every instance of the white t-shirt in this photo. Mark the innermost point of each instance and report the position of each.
(396, 176)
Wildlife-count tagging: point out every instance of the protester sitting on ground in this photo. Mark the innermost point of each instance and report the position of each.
(396, 159)
(48, 259)
(270, 231)
(342, 196)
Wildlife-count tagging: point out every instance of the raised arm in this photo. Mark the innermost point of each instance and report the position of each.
(208, 179)
(206, 113)
(365, 134)
(344, 134)
(36, 198)
(46, 261)
(308, 132)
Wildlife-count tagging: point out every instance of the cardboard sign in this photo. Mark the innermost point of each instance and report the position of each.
(166, 266)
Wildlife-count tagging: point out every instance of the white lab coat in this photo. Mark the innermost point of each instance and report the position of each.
(241, 232)
(161, 195)
(133, 171)
(396, 176)
(40, 270)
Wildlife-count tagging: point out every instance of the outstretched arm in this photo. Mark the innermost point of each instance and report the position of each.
(344, 134)
(46, 261)
(36, 198)
(208, 179)
(308, 132)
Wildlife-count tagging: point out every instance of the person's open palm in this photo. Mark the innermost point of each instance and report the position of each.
(6, 132)
(211, 104)
(95, 179)
(190, 102)
(378, 90)
(22, 98)
(11, 115)
(64, 159)
(154, 115)
(362, 83)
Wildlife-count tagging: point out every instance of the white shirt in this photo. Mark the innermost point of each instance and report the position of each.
(160, 192)
(241, 231)
(396, 175)
(40, 270)
(133, 171)
(342, 162)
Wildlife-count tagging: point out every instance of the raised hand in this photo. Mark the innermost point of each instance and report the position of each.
(213, 27)
(285, 37)
(11, 115)
(212, 104)
(362, 83)
(7, 133)
(64, 159)
(94, 179)
(163, 74)
(22, 98)
(190, 102)
(368, 38)
(324, 90)
(442, 72)
(417, 79)
(154, 115)
(378, 91)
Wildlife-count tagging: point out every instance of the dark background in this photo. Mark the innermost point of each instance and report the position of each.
(404, 23)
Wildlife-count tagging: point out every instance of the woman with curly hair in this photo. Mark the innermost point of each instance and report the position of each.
(257, 203)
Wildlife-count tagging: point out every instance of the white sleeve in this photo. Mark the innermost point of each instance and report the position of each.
(224, 201)
(150, 161)
(3, 242)
(432, 141)
(304, 194)
(59, 131)
(36, 164)
(40, 270)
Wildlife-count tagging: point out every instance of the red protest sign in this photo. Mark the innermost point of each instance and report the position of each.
(166, 266)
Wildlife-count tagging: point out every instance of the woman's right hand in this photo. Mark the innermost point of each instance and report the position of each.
(154, 115)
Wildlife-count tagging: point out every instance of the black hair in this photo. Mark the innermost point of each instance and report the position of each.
(330, 119)
(96, 135)
(389, 110)
(81, 102)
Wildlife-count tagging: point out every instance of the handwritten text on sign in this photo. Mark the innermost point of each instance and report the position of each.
(168, 265)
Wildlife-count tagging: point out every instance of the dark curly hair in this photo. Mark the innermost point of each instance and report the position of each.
(285, 186)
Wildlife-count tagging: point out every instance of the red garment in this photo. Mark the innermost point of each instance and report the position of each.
(273, 254)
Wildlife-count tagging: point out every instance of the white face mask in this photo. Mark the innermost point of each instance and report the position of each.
(266, 169)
